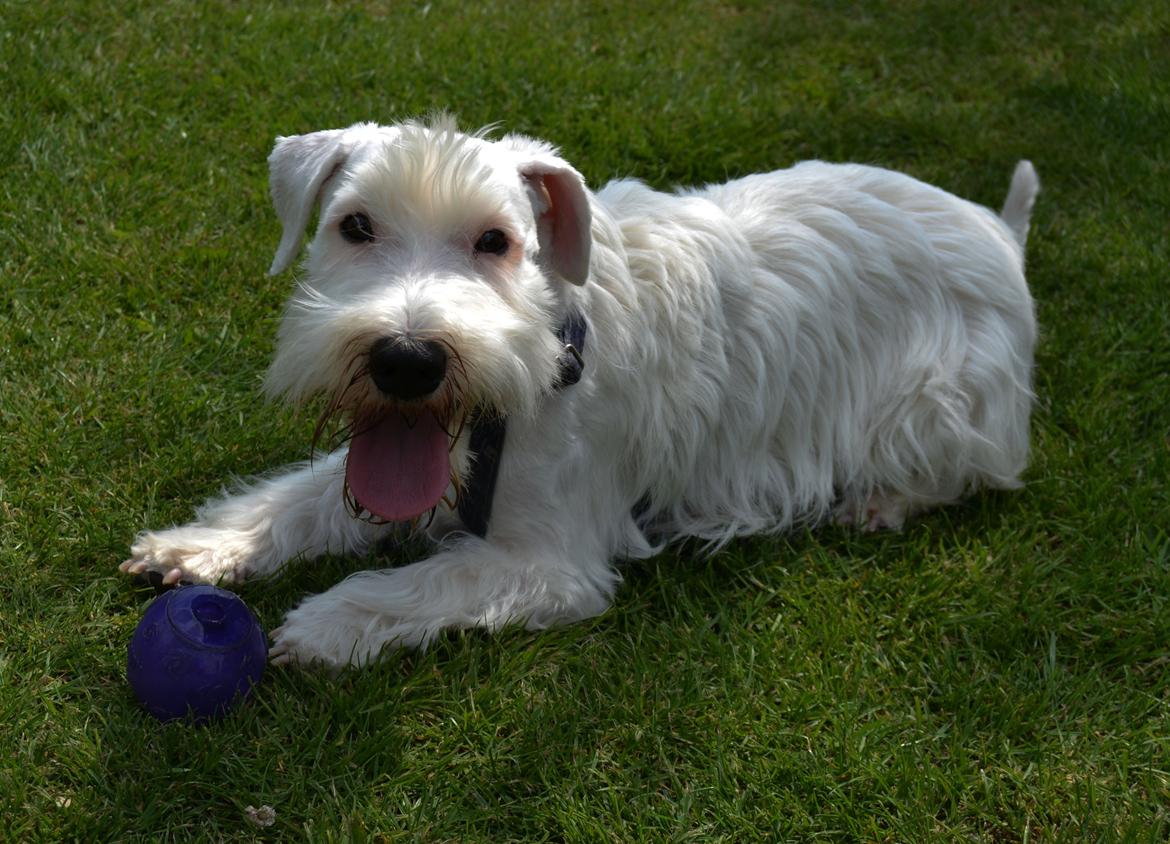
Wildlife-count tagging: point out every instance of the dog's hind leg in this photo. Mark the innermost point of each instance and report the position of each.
(879, 511)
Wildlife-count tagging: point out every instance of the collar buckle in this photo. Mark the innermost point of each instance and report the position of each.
(571, 365)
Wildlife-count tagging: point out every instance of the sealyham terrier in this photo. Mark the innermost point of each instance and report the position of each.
(545, 380)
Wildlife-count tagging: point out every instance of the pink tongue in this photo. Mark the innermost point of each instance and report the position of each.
(398, 470)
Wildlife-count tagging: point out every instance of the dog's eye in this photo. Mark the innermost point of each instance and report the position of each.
(493, 241)
(356, 228)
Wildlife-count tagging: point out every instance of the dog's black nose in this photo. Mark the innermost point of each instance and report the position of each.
(407, 370)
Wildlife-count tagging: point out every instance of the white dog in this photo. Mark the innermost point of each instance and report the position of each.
(556, 379)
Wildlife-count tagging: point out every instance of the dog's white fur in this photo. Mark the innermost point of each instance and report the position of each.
(827, 340)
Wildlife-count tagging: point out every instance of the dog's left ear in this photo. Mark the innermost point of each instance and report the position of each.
(563, 219)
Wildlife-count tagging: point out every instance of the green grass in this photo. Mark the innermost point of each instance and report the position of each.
(998, 672)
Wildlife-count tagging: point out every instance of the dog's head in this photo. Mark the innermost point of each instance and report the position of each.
(433, 288)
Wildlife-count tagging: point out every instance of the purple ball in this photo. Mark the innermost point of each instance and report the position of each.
(196, 653)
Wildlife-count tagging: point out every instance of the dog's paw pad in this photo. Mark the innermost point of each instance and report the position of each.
(885, 513)
(880, 512)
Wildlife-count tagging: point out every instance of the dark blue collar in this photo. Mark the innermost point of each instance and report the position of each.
(489, 429)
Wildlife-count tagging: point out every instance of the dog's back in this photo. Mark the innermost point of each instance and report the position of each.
(856, 339)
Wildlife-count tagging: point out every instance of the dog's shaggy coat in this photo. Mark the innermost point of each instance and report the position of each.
(823, 341)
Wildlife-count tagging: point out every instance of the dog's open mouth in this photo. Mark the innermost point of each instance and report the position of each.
(398, 466)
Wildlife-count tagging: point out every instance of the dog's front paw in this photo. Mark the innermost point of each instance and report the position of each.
(332, 631)
(190, 555)
(325, 633)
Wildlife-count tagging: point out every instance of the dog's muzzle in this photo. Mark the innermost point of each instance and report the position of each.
(406, 370)
(398, 465)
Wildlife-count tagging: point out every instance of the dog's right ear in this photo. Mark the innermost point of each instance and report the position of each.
(298, 168)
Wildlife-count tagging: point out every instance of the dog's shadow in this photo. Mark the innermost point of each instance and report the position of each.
(686, 582)
(520, 713)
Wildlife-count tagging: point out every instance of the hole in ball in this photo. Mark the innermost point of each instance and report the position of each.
(208, 611)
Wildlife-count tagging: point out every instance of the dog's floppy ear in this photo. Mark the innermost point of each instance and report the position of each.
(563, 218)
(298, 168)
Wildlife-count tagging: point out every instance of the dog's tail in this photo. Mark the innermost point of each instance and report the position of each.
(1017, 208)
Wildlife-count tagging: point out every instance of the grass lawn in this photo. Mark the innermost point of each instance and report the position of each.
(997, 672)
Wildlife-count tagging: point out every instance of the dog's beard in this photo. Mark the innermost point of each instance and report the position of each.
(398, 468)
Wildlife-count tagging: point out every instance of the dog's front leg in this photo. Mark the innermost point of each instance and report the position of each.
(255, 531)
(472, 583)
